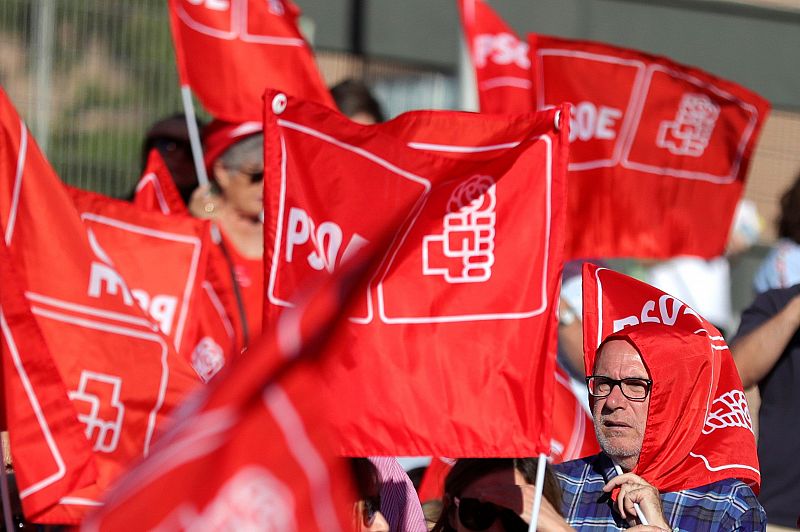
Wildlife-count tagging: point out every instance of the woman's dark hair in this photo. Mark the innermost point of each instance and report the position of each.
(468, 470)
(366, 477)
(353, 96)
(789, 220)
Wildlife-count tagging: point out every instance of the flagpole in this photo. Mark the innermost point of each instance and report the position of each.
(468, 86)
(194, 136)
(537, 499)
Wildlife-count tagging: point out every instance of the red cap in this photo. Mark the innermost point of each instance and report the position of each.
(218, 136)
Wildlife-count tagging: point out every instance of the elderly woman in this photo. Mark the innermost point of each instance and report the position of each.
(234, 157)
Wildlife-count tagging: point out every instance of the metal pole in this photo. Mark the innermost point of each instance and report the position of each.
(468, 86)
(194, 136)
(43, 37)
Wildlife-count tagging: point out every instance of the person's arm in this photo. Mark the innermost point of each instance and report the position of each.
(756, 353)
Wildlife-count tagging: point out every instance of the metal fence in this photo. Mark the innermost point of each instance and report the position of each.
(90, 76)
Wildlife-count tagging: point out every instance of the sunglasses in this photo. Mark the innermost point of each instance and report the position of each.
(255, 177)
(370, 509)
(477, 515)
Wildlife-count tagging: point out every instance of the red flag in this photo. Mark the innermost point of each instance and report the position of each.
(128, 242)
(698, 428)
(432, 485)
(57, 457)
(460, 322)
(659, 151)
(156, 190)
(120, 373)
(500, 59)
(207, 472)
(229, 50)
(573, 429)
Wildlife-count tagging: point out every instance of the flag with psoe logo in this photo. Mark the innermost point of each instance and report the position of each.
(699, 428)
(227, 51)
(120, 374)
(127, 242)
(500, 59)
(659, 151)
(458, 327)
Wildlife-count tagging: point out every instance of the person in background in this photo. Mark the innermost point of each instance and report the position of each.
(399, 502)
(367, 516)
(496, 494)
(354, 100)
(767, 353)
(170, 137)
(234, 157)
(781, 267)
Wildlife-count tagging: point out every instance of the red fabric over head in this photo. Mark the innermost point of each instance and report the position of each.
(699, 429)
(219, 135)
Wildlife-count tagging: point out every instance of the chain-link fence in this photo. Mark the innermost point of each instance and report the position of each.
(90, 76)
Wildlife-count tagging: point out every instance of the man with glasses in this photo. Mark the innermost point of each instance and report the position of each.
(601, 492)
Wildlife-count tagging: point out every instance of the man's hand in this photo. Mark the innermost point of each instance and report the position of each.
(633, 489)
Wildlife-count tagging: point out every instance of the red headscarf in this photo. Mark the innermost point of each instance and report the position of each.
(699, 429)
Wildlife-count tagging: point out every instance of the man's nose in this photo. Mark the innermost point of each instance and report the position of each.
(616, 399)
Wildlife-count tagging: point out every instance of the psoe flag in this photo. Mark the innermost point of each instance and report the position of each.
(659, 151)
(500, 59)
(228, 51)
(458, 327)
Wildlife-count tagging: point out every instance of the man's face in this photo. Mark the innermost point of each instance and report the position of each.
(618, 421)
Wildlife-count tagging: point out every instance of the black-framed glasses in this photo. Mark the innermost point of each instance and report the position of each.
(634, 389)
(370, 509)
(477, 515)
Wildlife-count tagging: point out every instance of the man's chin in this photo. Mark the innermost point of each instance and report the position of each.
(618, 446)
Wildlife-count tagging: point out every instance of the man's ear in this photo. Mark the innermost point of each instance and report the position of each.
(221, 175)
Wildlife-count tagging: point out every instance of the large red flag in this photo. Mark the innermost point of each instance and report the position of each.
(121, 374)
(500, 59)
(228, 51)
(254, 450)
(450, 351)
(659, 151)
(699, 428)
(57, 456)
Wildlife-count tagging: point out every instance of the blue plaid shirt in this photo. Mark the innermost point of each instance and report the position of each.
(725, 505)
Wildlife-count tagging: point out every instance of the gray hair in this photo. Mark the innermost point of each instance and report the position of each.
(244, 152)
